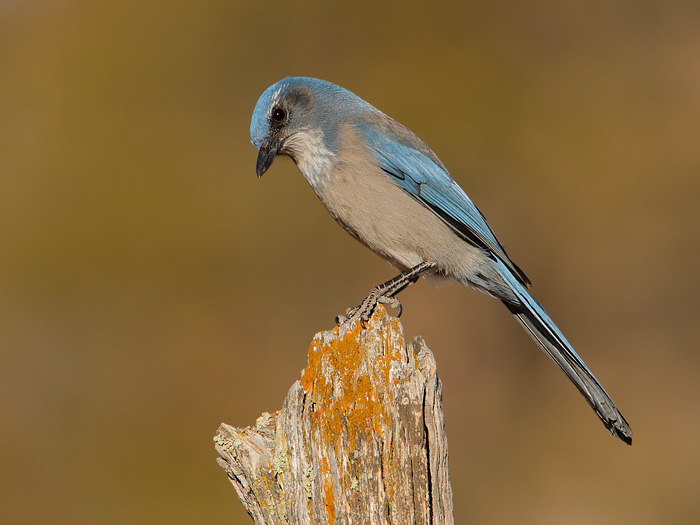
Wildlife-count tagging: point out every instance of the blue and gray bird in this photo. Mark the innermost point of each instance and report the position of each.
(388, 189)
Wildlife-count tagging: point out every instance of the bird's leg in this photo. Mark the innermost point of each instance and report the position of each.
(385, 293)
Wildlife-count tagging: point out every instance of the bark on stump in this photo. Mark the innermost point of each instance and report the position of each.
(359, 439)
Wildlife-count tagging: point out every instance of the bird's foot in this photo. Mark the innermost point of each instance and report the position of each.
(385, 294)
(364, 310)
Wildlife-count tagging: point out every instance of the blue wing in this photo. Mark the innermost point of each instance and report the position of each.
(420, 173)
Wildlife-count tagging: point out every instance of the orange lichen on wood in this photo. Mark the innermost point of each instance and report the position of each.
(328, 500)
(350, 389)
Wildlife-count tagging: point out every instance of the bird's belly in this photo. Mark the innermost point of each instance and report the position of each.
(381, 215)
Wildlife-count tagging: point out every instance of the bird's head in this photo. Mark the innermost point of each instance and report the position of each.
(300, 117)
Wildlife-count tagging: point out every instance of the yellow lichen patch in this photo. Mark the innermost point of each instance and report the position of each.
(308, 484)
(229, 444)
(263, 421)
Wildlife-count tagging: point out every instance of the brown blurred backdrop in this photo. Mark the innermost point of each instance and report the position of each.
(151, 287)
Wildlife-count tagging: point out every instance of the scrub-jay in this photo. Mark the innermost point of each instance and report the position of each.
(388, 189)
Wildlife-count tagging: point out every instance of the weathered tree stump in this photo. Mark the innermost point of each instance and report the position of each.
(360, 438)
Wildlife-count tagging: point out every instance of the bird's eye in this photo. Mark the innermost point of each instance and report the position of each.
(279, 114)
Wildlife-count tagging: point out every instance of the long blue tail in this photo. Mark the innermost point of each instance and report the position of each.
(546, 334)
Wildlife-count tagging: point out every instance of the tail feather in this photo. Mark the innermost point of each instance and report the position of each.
(546, 334)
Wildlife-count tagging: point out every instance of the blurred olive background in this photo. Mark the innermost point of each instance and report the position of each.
(151, 287)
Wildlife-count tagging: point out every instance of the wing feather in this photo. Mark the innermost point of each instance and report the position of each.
(418, 171)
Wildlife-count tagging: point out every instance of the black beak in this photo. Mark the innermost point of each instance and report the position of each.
(266, 154)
